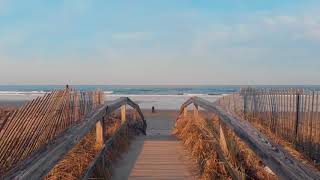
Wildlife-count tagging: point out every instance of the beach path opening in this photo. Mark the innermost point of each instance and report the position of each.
(159, 155)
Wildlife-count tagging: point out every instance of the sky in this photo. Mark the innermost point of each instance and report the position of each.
(151, 42)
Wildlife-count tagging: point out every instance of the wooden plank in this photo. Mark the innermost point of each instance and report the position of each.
(317, 128)
(99, 134)
(303, 123)
(311, 124)
(287, 114)
(281, 162)
(297, 120)
(195, 111)
(123, 113)
(222, 139)
(185, 112)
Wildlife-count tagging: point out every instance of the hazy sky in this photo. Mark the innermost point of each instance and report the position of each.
(160, 42)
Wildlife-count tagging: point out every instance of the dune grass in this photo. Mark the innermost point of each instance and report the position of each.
(202, 139)
(75, 163)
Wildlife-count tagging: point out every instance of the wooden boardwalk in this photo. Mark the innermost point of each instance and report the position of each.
(156, 156)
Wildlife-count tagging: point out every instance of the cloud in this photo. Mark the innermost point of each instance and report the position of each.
(312, 28)
(229, 48)
(279, 20)
(303, 27)
(268, 30)
(132, 35)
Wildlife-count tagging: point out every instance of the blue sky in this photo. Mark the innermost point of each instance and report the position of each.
(160, 42)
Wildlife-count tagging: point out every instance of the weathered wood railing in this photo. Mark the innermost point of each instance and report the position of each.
(292, 114)
(40, 163)
(280, 162)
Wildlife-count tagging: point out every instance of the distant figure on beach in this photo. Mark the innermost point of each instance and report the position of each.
(153, 109)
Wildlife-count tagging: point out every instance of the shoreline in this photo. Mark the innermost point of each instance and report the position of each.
(20, 103)
(145, 102)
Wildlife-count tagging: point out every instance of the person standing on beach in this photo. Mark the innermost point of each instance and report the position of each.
(153, 109)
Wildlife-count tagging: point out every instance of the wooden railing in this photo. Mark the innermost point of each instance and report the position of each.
(40, 163)
(275, 157)
(292, 114)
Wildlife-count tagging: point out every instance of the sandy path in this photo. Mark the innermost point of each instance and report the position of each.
(157, 155)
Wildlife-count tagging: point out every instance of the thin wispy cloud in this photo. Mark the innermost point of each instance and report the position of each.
(230, 40)
(132, 35)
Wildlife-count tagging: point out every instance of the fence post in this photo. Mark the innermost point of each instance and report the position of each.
(123, 113)
(245, 103)
(297, 118)
(195, 111)
(311, 124)
(254, 101)
(99, 134)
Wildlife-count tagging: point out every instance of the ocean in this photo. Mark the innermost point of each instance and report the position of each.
(161, 97)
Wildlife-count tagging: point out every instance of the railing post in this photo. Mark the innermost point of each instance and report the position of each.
(223, 140)
(99, 134)
(195, 111)
(123, 113)
(185, 112)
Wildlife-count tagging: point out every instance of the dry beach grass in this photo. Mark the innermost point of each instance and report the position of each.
(76, 162)
(201, 137)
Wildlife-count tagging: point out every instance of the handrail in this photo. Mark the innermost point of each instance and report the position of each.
(40, 163)
(106, 146)
(280, 161)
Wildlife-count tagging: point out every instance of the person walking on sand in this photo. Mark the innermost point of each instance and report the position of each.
(153, 109)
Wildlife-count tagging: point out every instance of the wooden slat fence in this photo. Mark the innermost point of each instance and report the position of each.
(36, 123)
(293, 114)
(274, 156)
(4, 115)
(40, 163)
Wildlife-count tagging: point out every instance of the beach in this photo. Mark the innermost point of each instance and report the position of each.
(158, 145)
(160, 102)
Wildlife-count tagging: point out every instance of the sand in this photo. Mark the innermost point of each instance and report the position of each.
(12, 103)
(159, 155)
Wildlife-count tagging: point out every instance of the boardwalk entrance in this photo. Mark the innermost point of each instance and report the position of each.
(39, 136)
(157, 155)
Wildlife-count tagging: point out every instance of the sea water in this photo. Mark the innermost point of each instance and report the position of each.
(161, 97)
